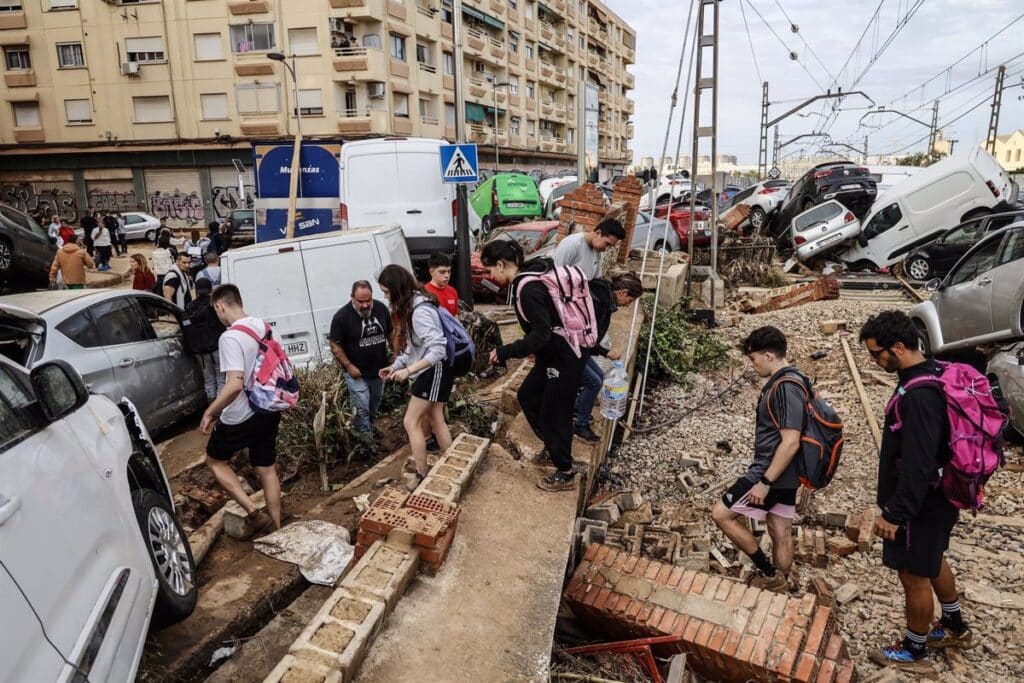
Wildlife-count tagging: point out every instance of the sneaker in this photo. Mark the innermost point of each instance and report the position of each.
(558, 481)
(776, 583)
(255, 522)
(433, 446)
(943, 636)
(902, 659)
(585, 433)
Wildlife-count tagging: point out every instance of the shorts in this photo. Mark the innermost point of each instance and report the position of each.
(258, 434)
(921, 542)
(435, 383)
(779, 502)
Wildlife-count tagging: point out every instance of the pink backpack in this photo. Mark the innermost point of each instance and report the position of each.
(272, 386)
(570, 292)
(975, 431)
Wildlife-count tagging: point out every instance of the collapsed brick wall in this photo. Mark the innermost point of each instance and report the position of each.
(628, 192)
(730, 631)
(582, 210)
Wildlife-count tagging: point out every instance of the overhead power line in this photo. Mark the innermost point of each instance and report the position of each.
(790, 51)
(750, 42)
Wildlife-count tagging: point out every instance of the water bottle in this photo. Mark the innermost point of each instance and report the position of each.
(615, 392)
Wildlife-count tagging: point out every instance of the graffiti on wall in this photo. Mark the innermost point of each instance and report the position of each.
(48, 198)
(112, 200)
(226, 200)
(178, 208)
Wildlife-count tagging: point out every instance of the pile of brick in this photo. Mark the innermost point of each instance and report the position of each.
(399, 535)
(730, 631)
(582, 209)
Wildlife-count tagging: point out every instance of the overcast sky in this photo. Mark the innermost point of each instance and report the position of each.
(937, 33)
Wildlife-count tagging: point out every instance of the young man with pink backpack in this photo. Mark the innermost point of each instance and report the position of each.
(941, 442)
(259, 384)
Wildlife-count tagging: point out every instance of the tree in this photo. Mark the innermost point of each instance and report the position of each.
(919, 159)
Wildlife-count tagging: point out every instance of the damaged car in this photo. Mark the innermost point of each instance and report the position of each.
(822, 229)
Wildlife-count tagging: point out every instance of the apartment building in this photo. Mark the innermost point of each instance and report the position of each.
(148, 103)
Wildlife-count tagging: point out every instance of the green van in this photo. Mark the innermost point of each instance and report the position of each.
(504, 198)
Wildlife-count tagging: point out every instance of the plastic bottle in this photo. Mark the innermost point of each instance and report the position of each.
(615, 393)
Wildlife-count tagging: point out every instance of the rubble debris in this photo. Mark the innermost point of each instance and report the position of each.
(848, 592)
(866, 530)
(823, 288)
(362, 502)
(820, 588)
(818, 355)
(841, 546)
(607, 512)
(869, 412)
(832, 326)
(986, 595)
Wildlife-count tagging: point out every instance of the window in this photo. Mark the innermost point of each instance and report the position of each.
(14, 423)
(446, 11)
(10, 6)
(513, 125)
(303, 41)
(208, 47)
(26, 114)
(401, 105)
(529, 9)
(1013, 247)
(311, 102)
(449, 115)
(258, 98)
(479, 68)
(80, 329)
(252, 38)
(883, 220)
(214, 106)
(397, 46)
(423, 54)
(569, 35)
(449, 63)
(967, 233)
(70, 56)
(145, 50)
(16, 58)
(570, 138)
(162, 318)
(529, 51)
(513, 84)
(976, 263)
(513, 4)
(426, 108)
(531, 128)
(513, 42)
(78, 111)
(372, 40)
(118, 322)
(63, 4)
(818, 215)
(152, 109)
(531, 90)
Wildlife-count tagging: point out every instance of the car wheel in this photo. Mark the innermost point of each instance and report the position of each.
(151, 235)
(919, 269)
(663, 198)
(169, 551)
(926, 342)
(807, 203)
(6, 256)
(757, 216)
(660, 244)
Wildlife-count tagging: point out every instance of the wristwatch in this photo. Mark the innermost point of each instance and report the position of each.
(766, 481)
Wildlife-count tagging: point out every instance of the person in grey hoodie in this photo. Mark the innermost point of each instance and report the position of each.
(416, 328)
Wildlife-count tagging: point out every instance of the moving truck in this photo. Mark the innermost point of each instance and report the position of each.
(296, 286)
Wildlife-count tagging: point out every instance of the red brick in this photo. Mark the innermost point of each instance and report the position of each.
(827, 672)
(652, 571)
(723, 590)
(676, 576)
(782, 631)
(796, 639)
(847, 673)
(750, 596)
(779, 658)
(807, 605)
(732, 642)
(699, 581)
(602, 552)
(836, 648)
(645, 614)
(634, 609)
(818, 634)
(704, 634)
(718, 638)
(622, 604)
(655, 617)
(641, 567)
(630, 564)
(712, 587)
(591, 553)
(760, 657)
(757, 618)
(667, 622)
(590, 596)
(690, 634)
(736, 594)
(601, 601)
(424, 503)
(684, 584)
(778, 605)
(680, 626)
(805, 669)
(745, 650)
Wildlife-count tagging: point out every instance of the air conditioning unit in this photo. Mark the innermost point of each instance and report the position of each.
(376, 91)
(130, 68)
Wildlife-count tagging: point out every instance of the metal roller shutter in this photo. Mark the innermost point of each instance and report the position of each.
(224, 187)
(174, 195)
(112, 195)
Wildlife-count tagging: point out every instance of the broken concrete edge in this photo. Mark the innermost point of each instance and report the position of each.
(312, 670)
(362, 632)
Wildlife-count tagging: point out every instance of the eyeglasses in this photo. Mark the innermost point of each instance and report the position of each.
(875, 353)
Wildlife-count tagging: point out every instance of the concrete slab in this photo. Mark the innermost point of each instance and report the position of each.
(489, 614)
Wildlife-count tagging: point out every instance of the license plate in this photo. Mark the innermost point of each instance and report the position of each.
(831, 239)
(515, 205)
(850, 187)
(296, 348)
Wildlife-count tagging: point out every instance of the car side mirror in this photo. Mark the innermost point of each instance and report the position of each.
(59, 389)
(862, 240)
(933, 285)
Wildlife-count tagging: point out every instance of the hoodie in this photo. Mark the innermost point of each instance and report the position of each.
(426, 340)
(71, 261)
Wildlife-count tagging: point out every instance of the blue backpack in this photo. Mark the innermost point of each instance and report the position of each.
(458, 341)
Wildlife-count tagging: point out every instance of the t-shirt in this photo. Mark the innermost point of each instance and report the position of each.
(574, 251)
(238, 354)
(177, 280)
(447, 296)
(364, 341)
(786, 402)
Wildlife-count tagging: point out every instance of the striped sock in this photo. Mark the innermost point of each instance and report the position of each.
(914, 642)
(951, 615)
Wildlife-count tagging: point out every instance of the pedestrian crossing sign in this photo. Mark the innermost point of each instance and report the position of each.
(459, 164)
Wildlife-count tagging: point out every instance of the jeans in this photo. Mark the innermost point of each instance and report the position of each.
(546, 397)
(366, 395)
(593, 378)
(213, 378)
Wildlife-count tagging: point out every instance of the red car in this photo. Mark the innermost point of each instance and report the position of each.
(680, 221)
(537, 239)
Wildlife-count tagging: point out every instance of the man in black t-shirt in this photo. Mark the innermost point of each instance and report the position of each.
(359, 340)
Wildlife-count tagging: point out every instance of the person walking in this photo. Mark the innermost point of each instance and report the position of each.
(143, 278)
(120, 234)
(65, 231)
(212, 270)
(218, 244)
(177, 285)
(70, 262)
(53, 231)
(917, 519)
(202, 330)
(440, 268)
(416, 328)
(359, 341)
(196, 247)
(101, 242)
(89, 223)
(548, 393)
(230, 420)
(767, 492)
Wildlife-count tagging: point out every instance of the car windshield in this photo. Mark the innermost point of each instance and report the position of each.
(883, 220)
(529, 240)
(816, 216)
(962, 234)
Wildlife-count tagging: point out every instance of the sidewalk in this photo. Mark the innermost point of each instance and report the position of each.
(119, 274)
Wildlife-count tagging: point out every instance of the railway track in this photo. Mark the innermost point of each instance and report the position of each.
(893, 287)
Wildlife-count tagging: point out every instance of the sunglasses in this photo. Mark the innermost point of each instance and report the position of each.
(875, 353)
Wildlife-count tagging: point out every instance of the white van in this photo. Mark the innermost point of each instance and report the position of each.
(296, 286)
(917, 210)
(398, 180)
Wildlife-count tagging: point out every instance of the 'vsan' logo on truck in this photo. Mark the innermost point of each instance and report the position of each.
(287, 170)
(311, 223)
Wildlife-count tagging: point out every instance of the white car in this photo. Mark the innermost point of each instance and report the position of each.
(548, 185)
(763, 198)
(1006, 373)
(672, 187)
(140, 226)
(822, 228)
(90, 548)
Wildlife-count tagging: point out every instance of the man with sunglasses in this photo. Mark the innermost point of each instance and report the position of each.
(916, 520)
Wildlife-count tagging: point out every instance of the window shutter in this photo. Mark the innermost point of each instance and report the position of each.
(26, 114)
(156, 109)
(61, 4)
(215, 106)
(310, 99)
(267, 100)
(303, 41)
(154, 44)
(209, 46)
(78, 111)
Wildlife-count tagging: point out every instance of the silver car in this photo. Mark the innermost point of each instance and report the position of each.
(124, 343)
(659, 235)
(981, 300)
(1006, 372)
(764, 200)
(140, 226)
(822, 228)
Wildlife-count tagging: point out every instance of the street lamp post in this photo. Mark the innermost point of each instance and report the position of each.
(293, 181)
(280, 57)
(494, 93)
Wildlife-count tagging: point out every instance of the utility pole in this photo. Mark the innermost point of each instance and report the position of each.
(463, 278)
(933, 137)
(993, 121)
(951, 143)
(775, 149)
(865, 150)
(762, 150)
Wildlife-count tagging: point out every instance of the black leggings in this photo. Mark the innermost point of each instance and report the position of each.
(547, 397)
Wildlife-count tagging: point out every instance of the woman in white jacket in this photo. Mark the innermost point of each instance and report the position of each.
(416, 325)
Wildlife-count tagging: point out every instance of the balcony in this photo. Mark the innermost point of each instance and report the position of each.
(478, 88)
(497, 7)
(447, 31)
(497, 50)
(359, 64)
(428, 22)
(29, 134)
(428, 120)
(629, 80)
(20, 79)
(593, 59)
(628, 106)
(363, 121)
(242, 7)
(401, 125)
(629, 130)
(428, 79)
(13, 20)
(253, 64)
(397, 10)
(547, 31)
(260, 127)
(448, 82)
(359, 10)
(476, 42)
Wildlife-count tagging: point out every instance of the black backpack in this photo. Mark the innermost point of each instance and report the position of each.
(821, 439)
(201, 327)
